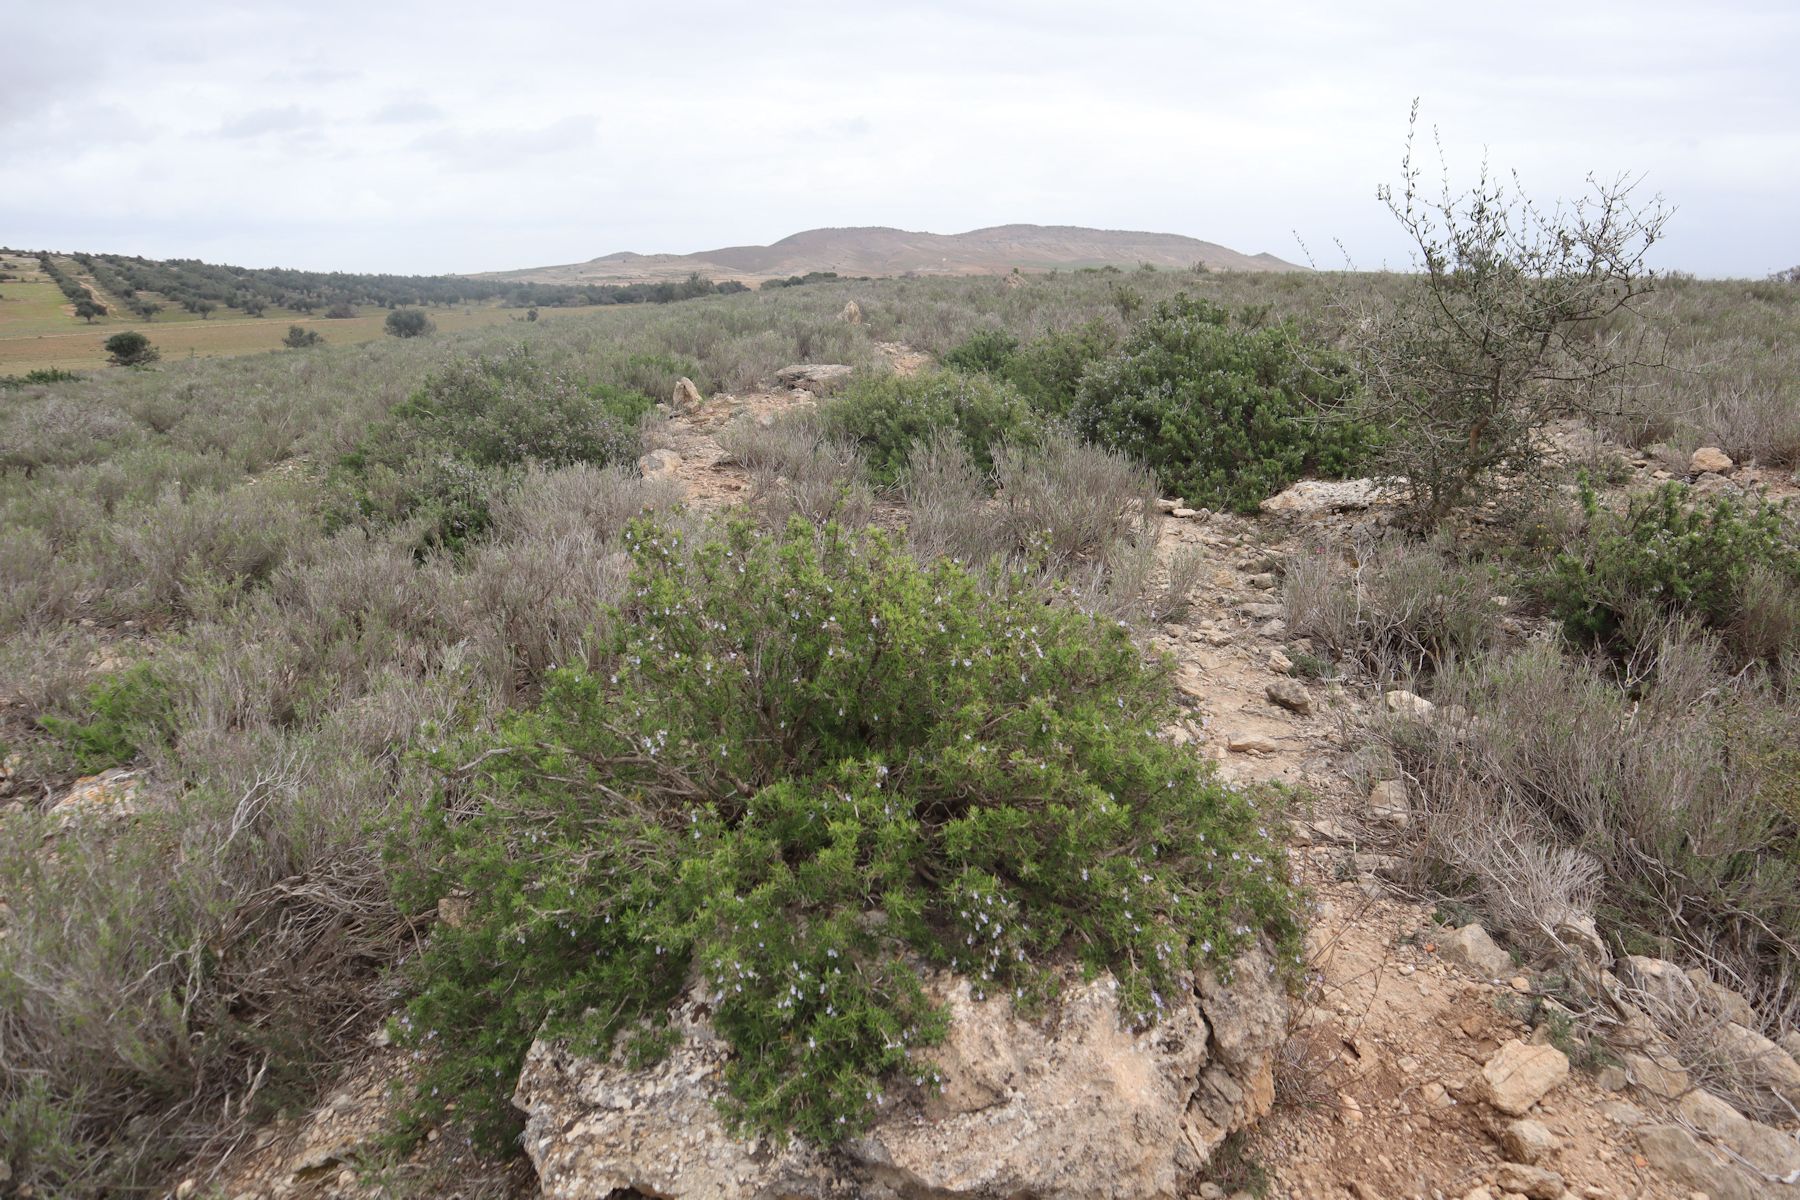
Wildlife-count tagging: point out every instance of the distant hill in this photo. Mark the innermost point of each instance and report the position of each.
(877, 250)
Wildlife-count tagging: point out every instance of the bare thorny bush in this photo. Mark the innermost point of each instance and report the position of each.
(1520, 316)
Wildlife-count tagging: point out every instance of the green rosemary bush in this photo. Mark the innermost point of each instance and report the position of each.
(814, 767)
(1225, 417)
(1732, 564)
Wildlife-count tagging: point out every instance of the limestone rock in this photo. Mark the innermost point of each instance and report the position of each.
(1251, 743)
(1408, 704)
(687, 397)
(1315, 497)
(1471, 947)
(1518, 1075)
(1768, 1150)
(1535, 1182)
(1291, 695)
(1528, 1142)
(1389, 805)
(1677, 1153)
(852, 314)
(1660, 1076)
(1761, 1061)
(1081, 1106)
(817, 378)
(112, 793)
(1720, 1000)
(1665, 990)
(1710, 460)
(659, 464)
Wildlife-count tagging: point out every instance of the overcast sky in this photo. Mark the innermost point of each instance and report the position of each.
(455, 136)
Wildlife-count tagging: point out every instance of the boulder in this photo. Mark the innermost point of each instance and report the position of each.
(1678, 1154)
(1291, 695)
(1316, 497)
(112, 793)
(1768, 1150)
(687, 397)
(659, 464)
(1390, 805)
(1079, 1105)
(1471, 947)
(1760, 1062)
(1720, 1000)
(1664, 990)
(1518, 1075)
(1403, 703)
(1660, 1075)
(1710, 460)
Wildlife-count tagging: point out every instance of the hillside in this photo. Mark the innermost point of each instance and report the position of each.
(877, 250)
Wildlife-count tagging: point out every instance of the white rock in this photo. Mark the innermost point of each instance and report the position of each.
(1077, 1107)
(1408, 704)
(1710, 460)
(1518, 1075)
(1312, 497)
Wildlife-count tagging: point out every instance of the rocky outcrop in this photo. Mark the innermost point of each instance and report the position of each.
(818, 378)
(1317, 497)
(1078, 1105)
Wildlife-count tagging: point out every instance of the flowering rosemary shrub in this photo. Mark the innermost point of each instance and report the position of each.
(813, 768)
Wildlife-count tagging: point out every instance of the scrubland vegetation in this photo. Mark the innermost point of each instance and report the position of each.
(396, 630)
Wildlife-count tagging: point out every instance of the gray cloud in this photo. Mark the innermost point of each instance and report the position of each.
(289, 118)
(489, 138)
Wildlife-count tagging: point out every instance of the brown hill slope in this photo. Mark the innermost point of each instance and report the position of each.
(877, 250)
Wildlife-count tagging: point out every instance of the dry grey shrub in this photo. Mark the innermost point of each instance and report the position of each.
(1395, 607)
(1185, 569)
(797, 468)
(1078, 517)
(1661, 793)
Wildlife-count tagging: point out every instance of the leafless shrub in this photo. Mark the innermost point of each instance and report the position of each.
(951, 512)
(579, 499)
(1662, 793)
(1185, 569)
(796, 468)
(1397, 608)
(1071, 501)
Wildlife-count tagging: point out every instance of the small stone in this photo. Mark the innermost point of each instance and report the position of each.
(1611, 1079)
(1184, 513)
(1291, 695)
(1280, 663)
(1518, 1075)
(1349, 1111)
(1275, 629)
(1519, 983)
(1710, 460)
(1622, 1112)
(186, 1188)
(1528, 1141)
(1265, 580)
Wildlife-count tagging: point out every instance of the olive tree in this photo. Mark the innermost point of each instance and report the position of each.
(409, 322)
(1516, 316)
(130, 349)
